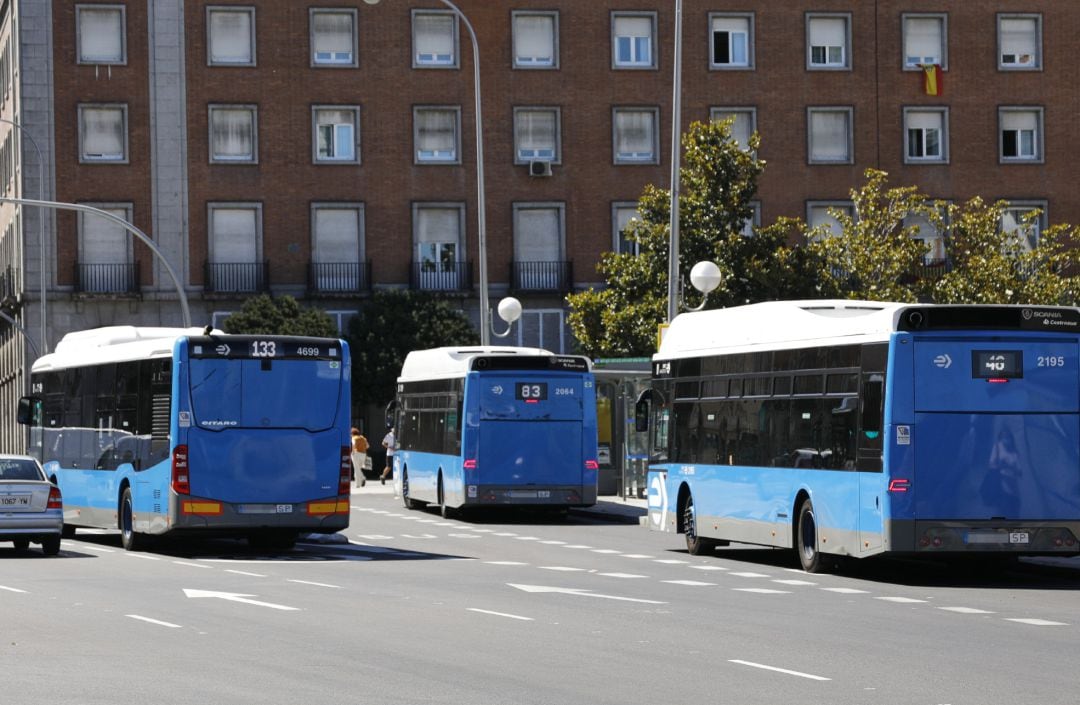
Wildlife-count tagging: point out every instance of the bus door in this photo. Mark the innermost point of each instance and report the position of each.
(868, 459)
(997, 433)
(531, 429)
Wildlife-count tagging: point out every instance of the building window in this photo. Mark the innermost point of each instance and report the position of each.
(539, 263)
(732, 41)
(743, 125)
(101, 36)
(635, 135)
(542, 328)
(829, 135)
(437, 135)
(437, 232)
(233, 134)
(633, 40)
(536, 40)
(435, 39)
(333, 38)
(536, 135)
(828, 39)
(337, 130)
(105, 255)
(624, 217)
(235, 247)
(926, 135)
(1019, 42)
(232, 35)
(754, 221)
(822, 214)
(1025, 221)
(103, 133)
(924, 230)
(924, 40)
(337, 247)
(1021, 134)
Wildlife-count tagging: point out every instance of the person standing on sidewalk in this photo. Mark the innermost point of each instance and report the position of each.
(359, 455)
(388, 443)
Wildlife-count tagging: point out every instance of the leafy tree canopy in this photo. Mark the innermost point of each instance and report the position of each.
(280, 316)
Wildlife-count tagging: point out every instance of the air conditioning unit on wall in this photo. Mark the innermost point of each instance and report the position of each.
(540, 168)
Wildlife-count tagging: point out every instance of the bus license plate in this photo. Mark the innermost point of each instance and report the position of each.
(284, 509)
(1018, 537)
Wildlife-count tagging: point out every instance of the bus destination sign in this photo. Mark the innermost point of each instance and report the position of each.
(253, 347)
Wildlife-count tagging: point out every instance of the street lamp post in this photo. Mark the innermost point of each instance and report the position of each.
(481, 218)
(676, 119)
(41, 222)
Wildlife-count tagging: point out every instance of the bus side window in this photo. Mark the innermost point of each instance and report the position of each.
(660, 432)
(871, 406)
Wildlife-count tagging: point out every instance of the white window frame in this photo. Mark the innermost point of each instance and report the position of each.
(213, 206)
(436, 158)
(849, 206)
(534, 63)
(213, 9)
(435, 63)
(653, 158)
(460, 254)
(121, 10)
(721, 112)
(354, 111)
(635, 62)
(943, 137)
(1021, 207)
(754, 221)
(252, 110)
(94, 158)
(823, 109)
(353, 60)
(1037, 139)
(556, 156)
(731, 65)
(616, 232)
(845, 63)
(540, 312)
(1037, 62)
(943, 48)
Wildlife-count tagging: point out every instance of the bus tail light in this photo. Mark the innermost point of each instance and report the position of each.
(469, 464)
(901, 485)
(55, 500)
(181, 480)
(592, 465)
(345, 478)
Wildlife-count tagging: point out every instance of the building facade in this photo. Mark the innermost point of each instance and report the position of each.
(323, 149)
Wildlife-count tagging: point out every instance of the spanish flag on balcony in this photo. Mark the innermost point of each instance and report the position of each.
(931, 79)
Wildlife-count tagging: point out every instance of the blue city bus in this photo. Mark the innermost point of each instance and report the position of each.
(168, 431)
(847, 428)
(495, 426)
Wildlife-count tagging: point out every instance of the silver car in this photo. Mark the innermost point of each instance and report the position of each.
(30, 506)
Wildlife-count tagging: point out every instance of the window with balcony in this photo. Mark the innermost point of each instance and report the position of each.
(336, 134)
(624, 215)
(435, 39)
(829, 134)
(1019, 42)
(635, 135)
(333, 37)
(337, 231)
(103, 133)
(926, 135)
(1021, 134)
(828, 41)
(101, 38)
(934, 239)
(535, 39)
(235, 248)
(105, 263)
(231, 40)
(822, 214)
(539, 260)
(732, 41)
(233, 134)
(744, 123)
(437, 135)
(633, 38)
(536, 135)
(1025, 221)
(924, 40)
(440, 263)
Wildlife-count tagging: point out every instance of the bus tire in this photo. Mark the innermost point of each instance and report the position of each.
(130, 539)
(445, 511)
(50, 545)
(806, 541)
(272, 540)
(408, 501)
(695, 545)
(21, 544)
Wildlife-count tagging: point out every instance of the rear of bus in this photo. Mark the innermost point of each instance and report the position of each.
(262, 428)
(984, 452)
(530, 432)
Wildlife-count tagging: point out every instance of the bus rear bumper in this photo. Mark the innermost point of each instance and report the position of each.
(548, 496)
(322, 516)
(1014, 536)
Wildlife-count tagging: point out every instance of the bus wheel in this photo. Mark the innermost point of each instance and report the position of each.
(445, 511)
(130, 539)
(21, 544)
(695, 545)
(810, 558)
(409, 502)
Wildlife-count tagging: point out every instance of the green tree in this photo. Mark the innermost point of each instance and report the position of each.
(718, 182)
(280, 316)
(391, 324)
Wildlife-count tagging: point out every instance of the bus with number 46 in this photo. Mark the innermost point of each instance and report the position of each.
(848, 428)
(169, 431)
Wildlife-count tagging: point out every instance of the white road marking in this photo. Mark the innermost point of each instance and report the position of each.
(576, 545)
(622, 575)
(847, 591)
(483, 531)
(691, 583)
(237, 597)
(903, 600)
(505, 563)
(191, 565)
(1037, 622)
(421, 536)
(635, 555)
(142, 556)
(244, 572)
(500, 614)
(562, 568)
(745, 574)
(794, 582)
(374, 537)
(581, 593)
(763, 591)
(158, 622)
(607, 551)
(780, 670)
(445, 523)
(463, 536)
(966, 610)
(11, 589)
(308, 582)
(554, 543)
(670, 561)
(99, 549)
(527, 538)
(708, 567)
(505, 533)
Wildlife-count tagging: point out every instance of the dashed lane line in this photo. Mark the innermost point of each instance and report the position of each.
(793, 582)
(689, 583)
(622, 575)
(11, 589)
(846, 591)
(748, 574)
(191, 565)
(309, 582)
(501, 614)
(763, 591)
(563, 568)
(966, 610)
(800, 674)
(1036, 622)
(244, 572)
(901, 600)
(158, 622)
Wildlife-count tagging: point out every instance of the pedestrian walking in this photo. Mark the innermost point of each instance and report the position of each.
(388, 443)
(359, 455)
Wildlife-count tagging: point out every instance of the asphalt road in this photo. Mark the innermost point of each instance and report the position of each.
(522, 609)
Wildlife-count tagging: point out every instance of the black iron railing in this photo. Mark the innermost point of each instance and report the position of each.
(541, 276)
(441, 276)
(120, 278)
(228, 277)
(339, 277)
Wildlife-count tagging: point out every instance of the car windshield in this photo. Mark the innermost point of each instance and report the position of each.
(19, 469)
